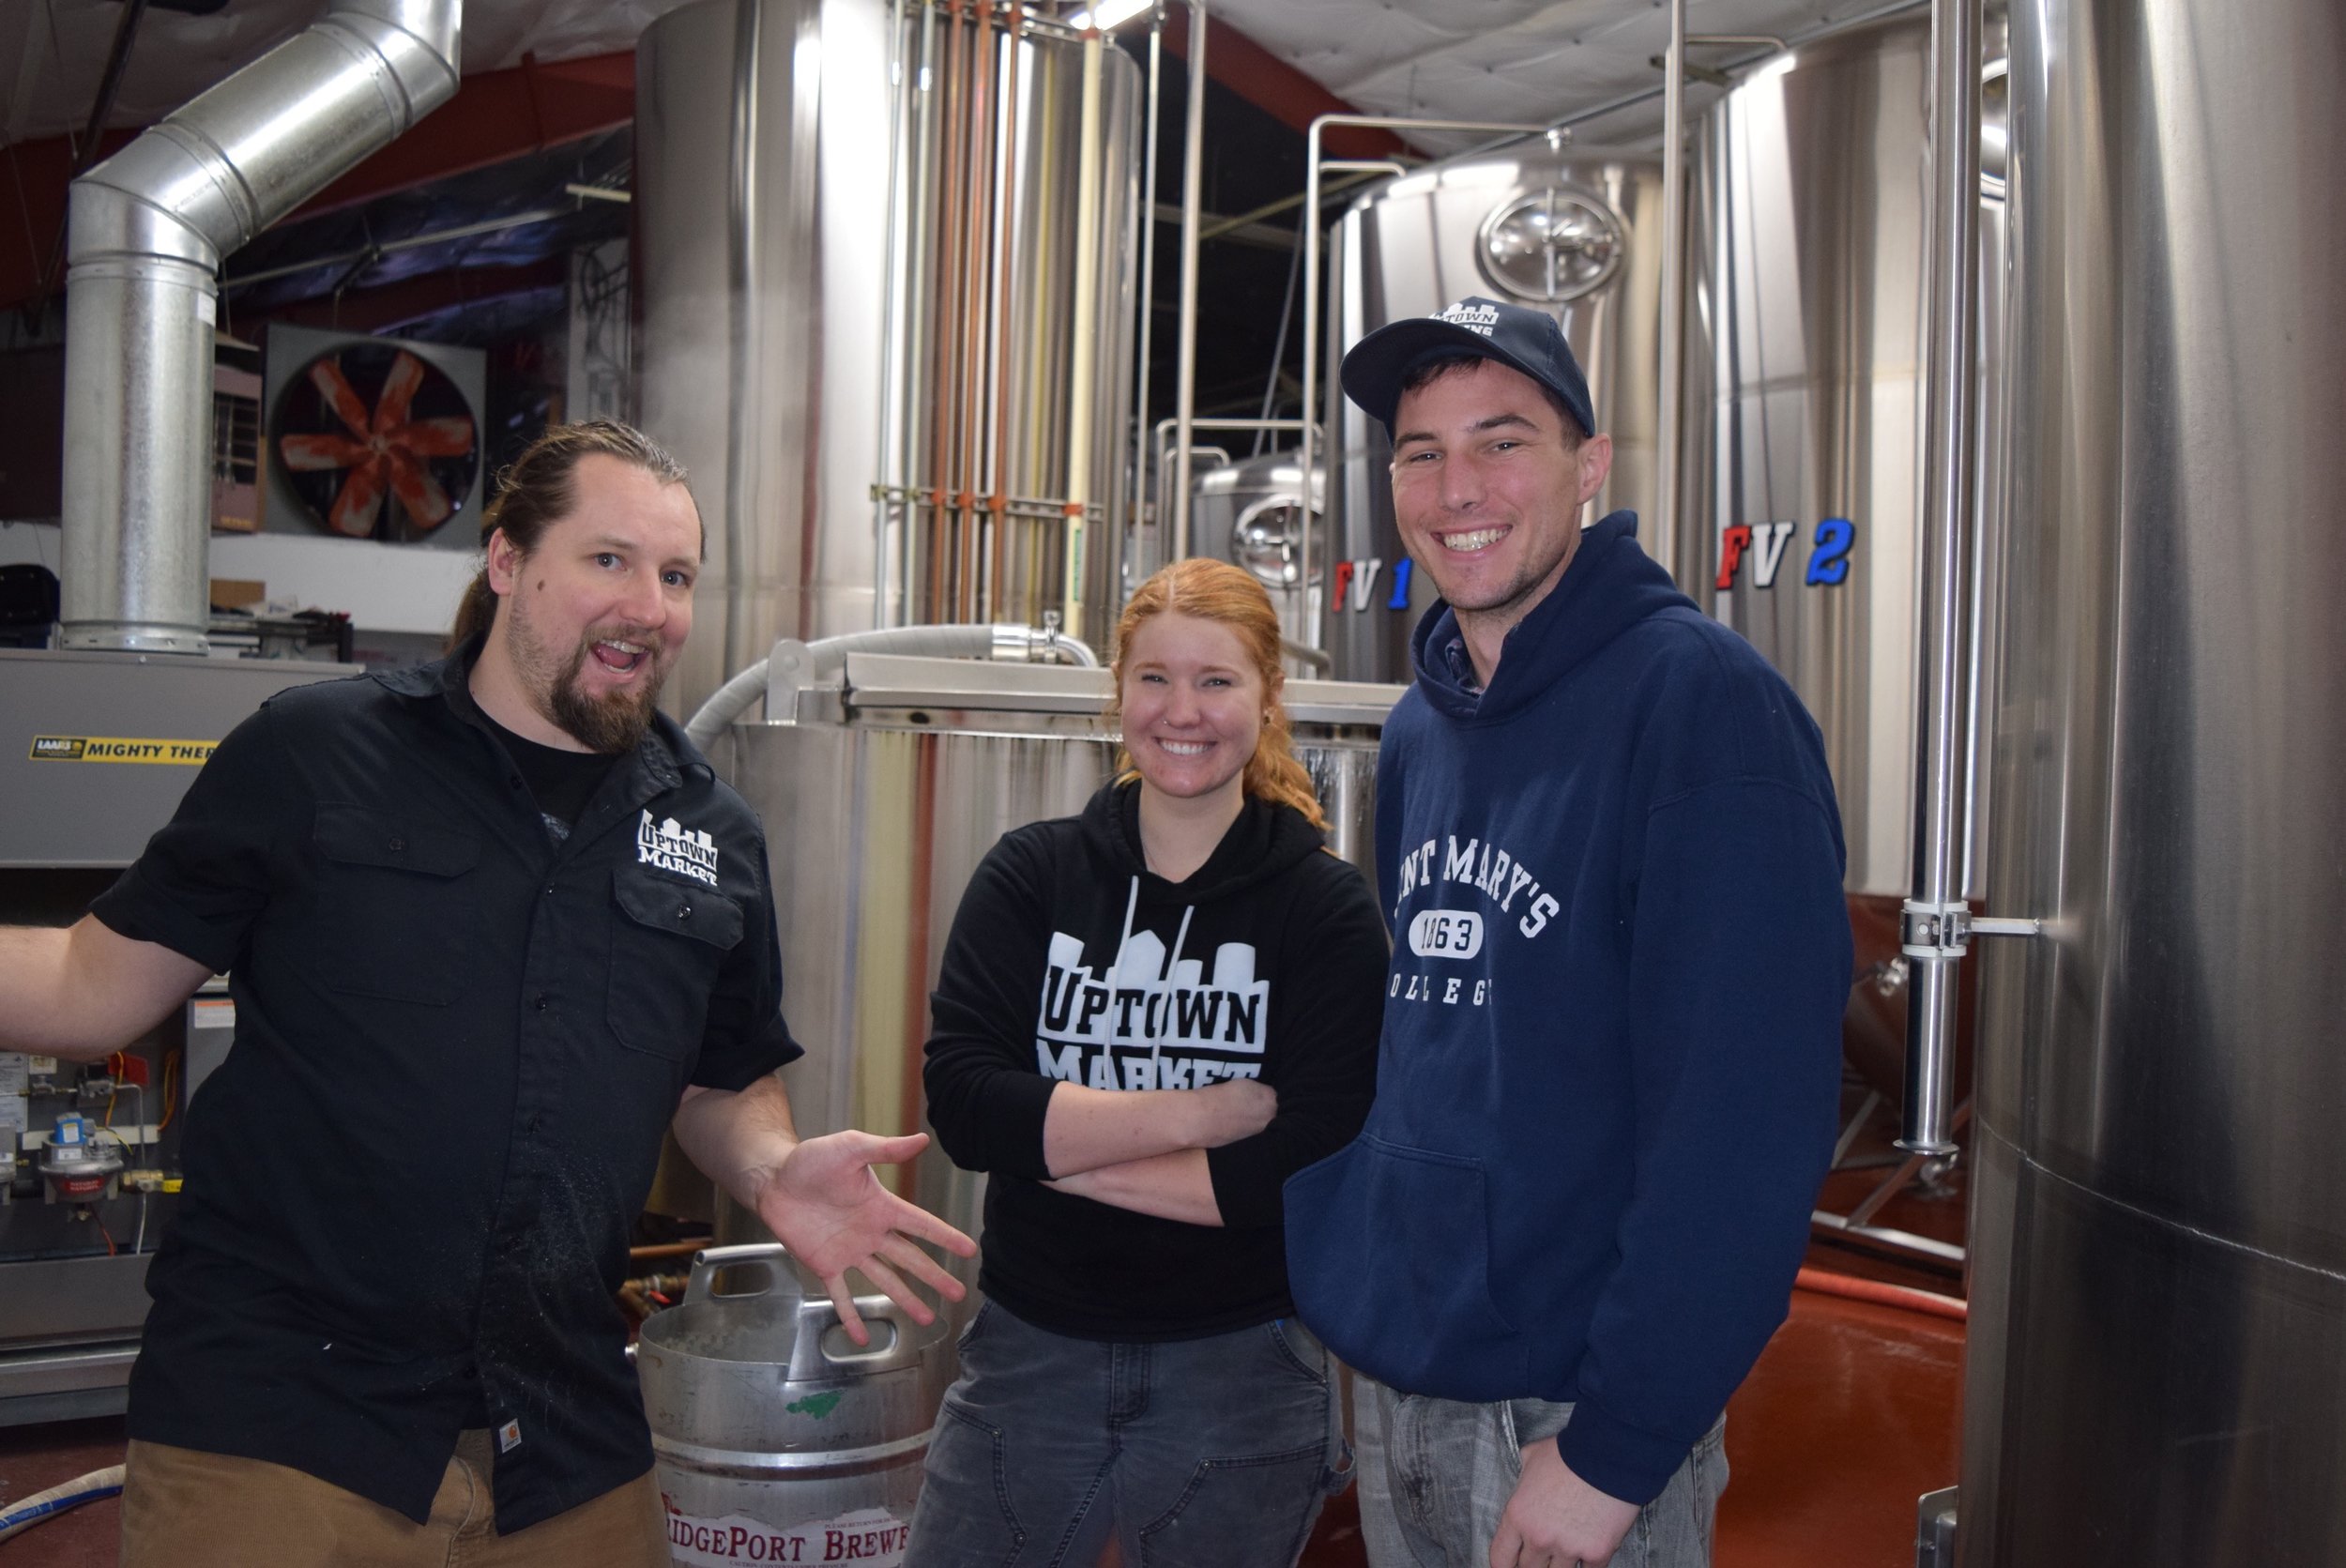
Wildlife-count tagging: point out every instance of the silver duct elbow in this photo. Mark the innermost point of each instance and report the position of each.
(147, 230)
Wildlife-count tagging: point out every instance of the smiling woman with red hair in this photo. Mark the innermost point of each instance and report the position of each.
(1149, 1016)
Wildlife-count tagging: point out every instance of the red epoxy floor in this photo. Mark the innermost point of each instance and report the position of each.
(1851, 1415)
(35, 1458)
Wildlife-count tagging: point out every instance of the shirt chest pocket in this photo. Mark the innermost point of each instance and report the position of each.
(668, 942)
(398, 895)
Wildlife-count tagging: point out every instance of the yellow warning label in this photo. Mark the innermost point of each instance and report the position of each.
(115, 748)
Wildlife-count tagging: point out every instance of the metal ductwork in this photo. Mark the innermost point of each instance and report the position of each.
(148, 229)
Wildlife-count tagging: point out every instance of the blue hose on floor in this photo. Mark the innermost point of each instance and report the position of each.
(19, 1516)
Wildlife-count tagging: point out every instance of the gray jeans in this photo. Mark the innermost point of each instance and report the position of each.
(1435, 1476)
(1194, 1453)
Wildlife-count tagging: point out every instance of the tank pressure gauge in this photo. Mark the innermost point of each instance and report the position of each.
(1551, 246)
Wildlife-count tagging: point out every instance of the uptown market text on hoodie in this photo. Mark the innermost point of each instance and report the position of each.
(1609, 1071)
(1070, 961)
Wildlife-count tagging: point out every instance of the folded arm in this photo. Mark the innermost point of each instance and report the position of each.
(1175, 1186)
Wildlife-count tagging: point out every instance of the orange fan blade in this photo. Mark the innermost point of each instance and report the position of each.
(327, 375)
(359, 501)
(448, 436)
(310, 454)
(399, 392)
(427, 504)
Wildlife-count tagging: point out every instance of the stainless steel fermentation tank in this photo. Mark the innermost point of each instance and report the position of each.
(882, 790)
(886, 260)
(1250, 513)
(2156, 1363)
(1802, 478)
(1570, 230)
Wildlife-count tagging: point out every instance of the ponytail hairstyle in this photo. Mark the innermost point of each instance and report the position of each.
(539, 489)
(1228, 596)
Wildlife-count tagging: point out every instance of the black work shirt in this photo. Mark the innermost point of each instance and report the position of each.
(560, 782)
(458, 1043)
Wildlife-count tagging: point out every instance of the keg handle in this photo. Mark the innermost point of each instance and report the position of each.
(709, 1261)
(770, 1258)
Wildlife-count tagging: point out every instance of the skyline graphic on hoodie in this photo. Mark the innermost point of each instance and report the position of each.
(1138, 1023)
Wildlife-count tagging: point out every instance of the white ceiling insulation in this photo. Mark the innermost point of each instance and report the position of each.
(1523, 60)
(1527, 61)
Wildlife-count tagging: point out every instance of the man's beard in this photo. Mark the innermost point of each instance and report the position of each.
(615, 725)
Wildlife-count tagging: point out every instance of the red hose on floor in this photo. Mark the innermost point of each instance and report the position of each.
(1884, 1294)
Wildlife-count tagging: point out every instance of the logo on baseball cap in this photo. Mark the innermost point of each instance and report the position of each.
(1523, 339)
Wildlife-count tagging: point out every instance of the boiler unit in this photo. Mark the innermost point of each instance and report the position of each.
(96, 750)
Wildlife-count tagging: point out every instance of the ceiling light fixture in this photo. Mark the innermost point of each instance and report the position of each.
(1110, 13)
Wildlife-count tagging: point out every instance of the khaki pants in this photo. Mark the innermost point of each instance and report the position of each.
(186, 1509)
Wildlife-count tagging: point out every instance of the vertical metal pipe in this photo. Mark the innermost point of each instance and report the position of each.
(1669, 423)
(1148, 205)
(952, 241)
(984, 124)
(1185, 392)
(1937, 919)
(891, 392)
(1084, 340)
(742, 259)
(1005, 269)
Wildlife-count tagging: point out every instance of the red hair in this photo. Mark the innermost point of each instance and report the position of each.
(1207, 589)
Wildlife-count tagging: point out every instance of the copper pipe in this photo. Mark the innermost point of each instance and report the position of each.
(1884, 1294)
(950, 216)
(670, 1249)
(998, 505)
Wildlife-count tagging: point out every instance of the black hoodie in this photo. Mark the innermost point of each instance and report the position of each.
(1071, 960)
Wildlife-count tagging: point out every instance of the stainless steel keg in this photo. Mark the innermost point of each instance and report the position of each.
(778, 1438)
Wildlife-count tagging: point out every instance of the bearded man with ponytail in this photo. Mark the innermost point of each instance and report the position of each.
(1149, 1016)
(492, 926)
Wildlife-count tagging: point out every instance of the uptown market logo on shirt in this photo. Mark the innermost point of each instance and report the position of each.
(673, 847)
(1139, 1024)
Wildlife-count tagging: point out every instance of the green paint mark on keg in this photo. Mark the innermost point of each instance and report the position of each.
(815, 1406)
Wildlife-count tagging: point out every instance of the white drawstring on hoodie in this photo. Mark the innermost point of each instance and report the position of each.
(1163, 981)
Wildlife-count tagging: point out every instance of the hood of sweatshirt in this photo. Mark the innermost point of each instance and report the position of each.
(1265, 841)
(1610, 586)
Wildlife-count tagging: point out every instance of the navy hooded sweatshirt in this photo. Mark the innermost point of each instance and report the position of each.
(1611, 1063)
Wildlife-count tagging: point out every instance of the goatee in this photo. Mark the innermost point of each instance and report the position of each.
(615, 725)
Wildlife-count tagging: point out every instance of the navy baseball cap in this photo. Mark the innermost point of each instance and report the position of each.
(1522, 340)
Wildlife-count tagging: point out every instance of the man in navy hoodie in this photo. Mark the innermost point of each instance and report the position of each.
(1608, 850)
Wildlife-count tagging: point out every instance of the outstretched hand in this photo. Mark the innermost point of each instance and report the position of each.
(826, 1205)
